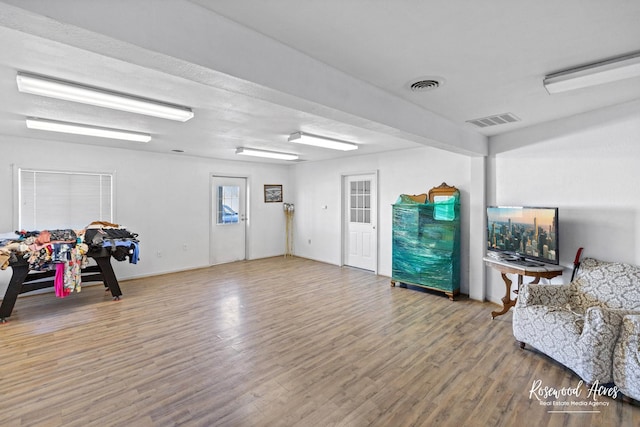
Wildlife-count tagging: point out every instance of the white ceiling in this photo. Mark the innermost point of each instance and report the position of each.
(492, 56)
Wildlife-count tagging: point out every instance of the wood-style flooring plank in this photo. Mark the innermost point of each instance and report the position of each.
(274, 342)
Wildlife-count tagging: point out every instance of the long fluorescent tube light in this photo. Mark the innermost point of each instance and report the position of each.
(79, 129)
(598, 73)
(321, 141)
(69, 91)
(264, 153)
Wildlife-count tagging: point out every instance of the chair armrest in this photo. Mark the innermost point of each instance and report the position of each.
(596, 316)
(539, 294)
(604, 325)
(630, 331)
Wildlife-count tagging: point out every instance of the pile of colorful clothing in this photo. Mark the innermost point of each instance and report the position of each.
(121, 242)
(65, 250)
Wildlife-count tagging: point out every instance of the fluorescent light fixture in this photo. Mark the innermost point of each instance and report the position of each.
(79, 129)
(264, 153)
(69, 91)
(624, 67)
(321, 141)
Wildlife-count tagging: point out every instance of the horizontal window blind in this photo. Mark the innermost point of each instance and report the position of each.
(53, 200)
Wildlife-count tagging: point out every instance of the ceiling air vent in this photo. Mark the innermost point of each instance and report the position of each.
(422, 85)
(498, 119)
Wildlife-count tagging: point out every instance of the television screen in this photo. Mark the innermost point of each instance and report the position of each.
(527, 233)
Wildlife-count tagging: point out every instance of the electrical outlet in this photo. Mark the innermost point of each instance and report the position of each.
(184, 247)
(309, 241)
(159, 254)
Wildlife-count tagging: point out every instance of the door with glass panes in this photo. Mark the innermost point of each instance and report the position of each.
(361, 242)
(228, 219)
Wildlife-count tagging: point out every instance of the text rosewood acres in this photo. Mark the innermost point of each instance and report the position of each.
(541, 393)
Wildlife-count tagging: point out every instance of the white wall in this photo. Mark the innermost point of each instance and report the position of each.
(163, 197)
(587, 166)
(411, 171)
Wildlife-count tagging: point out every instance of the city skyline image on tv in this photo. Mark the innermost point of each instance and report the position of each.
(528, 232)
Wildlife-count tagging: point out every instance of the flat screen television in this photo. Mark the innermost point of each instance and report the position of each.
(524, 233)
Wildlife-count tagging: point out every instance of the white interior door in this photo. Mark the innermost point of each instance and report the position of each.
(361, 214)
(228, 219)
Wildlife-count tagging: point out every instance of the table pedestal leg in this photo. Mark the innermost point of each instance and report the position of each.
(20, 272)
(507, 302)
(104, 263)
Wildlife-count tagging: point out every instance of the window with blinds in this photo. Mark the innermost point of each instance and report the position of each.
(54, 200)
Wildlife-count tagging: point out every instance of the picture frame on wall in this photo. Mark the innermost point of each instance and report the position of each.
(272, 193)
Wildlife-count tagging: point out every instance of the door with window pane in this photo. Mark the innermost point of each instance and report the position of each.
(228, 219)
(361, 243)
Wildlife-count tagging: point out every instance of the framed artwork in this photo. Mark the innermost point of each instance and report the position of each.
(272, 193)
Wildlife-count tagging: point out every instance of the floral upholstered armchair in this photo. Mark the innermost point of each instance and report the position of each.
(626, 357)
(578, 324)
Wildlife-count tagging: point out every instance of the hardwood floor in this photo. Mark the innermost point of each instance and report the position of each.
(276, 342)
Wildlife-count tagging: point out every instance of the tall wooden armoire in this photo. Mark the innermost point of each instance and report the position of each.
(426, 240)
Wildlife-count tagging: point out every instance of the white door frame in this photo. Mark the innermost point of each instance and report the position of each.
(345, 216)
(247, 224)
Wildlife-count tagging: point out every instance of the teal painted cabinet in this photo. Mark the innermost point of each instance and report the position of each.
(426, 244)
